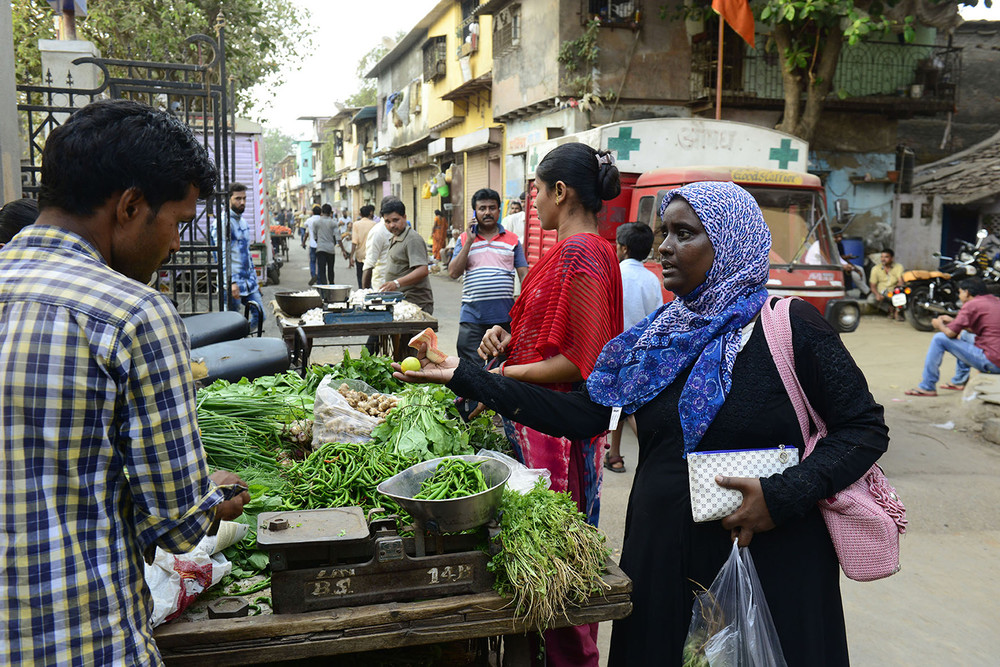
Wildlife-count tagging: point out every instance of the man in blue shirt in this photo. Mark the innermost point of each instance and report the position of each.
(243, 287)
(489, 256)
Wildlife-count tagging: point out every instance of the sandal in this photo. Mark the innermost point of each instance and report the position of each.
(919, 392)
(610, 462)
(953, 387)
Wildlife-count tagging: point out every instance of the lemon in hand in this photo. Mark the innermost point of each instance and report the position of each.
(410, 364)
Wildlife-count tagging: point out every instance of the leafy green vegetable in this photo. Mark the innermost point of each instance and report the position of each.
(424, 425)
(374, 370)
(551, 556)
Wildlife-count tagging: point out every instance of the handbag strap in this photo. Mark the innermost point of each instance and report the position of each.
(778, 332)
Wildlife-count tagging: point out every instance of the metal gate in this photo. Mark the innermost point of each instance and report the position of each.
(198, 94)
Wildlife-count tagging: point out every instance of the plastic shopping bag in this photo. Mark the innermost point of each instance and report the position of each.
(731, 625)
(334, 420)
(522, 478)
(176, 580)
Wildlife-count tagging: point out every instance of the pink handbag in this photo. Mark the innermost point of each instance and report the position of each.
(866, 519)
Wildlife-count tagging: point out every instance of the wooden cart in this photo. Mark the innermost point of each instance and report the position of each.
(268, 638)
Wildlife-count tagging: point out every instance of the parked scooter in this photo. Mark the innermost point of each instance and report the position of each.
(932, 293)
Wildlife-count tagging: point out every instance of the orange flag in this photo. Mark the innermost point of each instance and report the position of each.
(738, 15)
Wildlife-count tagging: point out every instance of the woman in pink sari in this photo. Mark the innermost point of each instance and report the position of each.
(570, 306)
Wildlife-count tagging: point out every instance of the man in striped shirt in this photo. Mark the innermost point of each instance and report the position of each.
(489, 256)
(101, 460)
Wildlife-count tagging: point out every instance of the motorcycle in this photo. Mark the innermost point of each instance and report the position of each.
(927, 294)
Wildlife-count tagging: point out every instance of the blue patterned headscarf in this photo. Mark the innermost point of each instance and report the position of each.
(702, 327)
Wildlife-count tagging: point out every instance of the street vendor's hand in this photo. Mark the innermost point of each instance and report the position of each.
(752, 516)
(494, 342)
(429, 371)
(234, 290)
(391, 286)
(232, 508)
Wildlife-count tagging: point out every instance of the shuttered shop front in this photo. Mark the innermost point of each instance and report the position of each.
(477, 173)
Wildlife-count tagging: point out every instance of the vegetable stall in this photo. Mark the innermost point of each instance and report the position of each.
(374, 526)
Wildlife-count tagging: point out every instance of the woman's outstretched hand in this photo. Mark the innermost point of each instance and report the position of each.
(494, 342)
(752, 516)
(429, 371)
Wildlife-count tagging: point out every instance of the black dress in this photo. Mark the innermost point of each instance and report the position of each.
(664, 548)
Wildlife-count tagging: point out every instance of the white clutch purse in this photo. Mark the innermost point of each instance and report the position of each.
(709, 501)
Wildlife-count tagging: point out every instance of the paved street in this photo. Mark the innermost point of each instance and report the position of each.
(941, 608)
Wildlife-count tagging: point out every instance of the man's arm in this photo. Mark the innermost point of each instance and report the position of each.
(460, 259)
(175, 501)
(411, 278)
(941, 322)
(366, 278)
(520, 262)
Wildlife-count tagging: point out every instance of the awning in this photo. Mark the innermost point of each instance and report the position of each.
(484, 138)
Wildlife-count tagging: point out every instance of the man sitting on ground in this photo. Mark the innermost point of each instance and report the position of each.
(972, 336)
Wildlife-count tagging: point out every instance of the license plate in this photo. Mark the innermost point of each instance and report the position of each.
(899, 300)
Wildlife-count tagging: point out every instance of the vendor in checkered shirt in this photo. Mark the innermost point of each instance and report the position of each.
(102, 462)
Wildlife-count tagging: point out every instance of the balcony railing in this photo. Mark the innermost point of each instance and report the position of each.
(900, 79)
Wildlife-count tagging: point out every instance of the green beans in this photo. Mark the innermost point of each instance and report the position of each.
(343, 475)
(453, 478)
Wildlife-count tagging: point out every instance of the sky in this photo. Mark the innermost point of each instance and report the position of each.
(347, 30)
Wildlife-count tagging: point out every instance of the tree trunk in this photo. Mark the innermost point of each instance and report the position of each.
(791, 81)
(817, 90)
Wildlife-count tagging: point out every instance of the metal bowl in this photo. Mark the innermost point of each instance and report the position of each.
(333, 293)
(455, 514)
(296, 305)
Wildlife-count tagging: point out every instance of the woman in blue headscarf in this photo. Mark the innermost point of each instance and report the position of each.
(698, 376)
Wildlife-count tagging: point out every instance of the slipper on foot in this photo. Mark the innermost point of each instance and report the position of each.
(954, 387)
(920, 392)
(610, 461)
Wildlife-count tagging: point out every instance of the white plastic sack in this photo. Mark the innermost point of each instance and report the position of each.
(334, 420)
(522, 478)
(176, 580)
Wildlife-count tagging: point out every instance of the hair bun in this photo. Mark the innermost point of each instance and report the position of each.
(609, 183)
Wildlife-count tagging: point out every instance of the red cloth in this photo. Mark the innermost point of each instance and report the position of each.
(570, 304)
(980, 315)
(738, 15)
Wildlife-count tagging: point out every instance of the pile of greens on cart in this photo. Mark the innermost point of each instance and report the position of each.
(262, 430)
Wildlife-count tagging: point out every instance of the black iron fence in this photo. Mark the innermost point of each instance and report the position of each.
(894, 78)
(196, 92)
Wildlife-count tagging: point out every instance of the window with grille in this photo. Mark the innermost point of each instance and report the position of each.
(614, 12)
(506, 29)
(435, 57)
